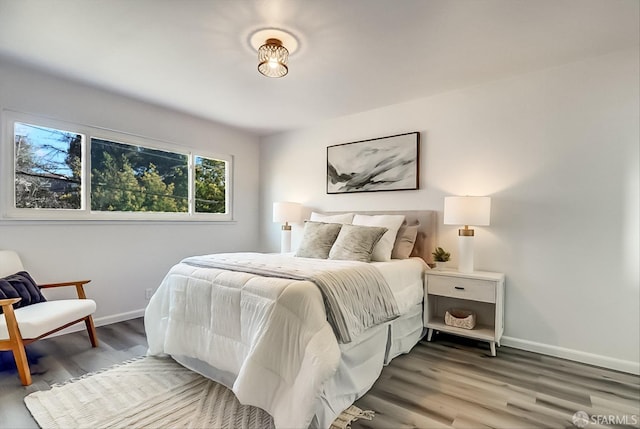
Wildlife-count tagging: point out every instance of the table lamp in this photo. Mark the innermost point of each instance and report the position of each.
(466, 211)
(285, 212)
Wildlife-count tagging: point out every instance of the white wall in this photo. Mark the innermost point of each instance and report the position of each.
(125, 258)
(557, 150)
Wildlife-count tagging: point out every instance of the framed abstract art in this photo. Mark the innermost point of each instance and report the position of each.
(382, 164)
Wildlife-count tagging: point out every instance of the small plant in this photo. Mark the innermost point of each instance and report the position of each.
(441, 255)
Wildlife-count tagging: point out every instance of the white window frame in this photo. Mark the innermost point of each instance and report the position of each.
(7, 174)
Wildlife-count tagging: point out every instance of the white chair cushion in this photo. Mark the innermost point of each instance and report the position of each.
(37, 319)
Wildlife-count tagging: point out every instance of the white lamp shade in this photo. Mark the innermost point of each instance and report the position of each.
(467, 211)
(286, 212)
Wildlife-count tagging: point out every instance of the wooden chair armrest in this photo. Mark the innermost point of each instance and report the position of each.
(7, 310)
(8, 301)
(74, 283)
(78, 284)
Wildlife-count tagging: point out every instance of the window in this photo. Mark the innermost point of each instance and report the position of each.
(127, 178)
(48, 168)
(67, 171)
(211, 182)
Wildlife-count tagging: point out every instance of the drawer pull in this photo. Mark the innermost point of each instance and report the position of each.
(459, 287)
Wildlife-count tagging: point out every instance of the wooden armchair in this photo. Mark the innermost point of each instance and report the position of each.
(22, 326)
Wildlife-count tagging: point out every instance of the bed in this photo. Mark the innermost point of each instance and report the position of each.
(266, 325)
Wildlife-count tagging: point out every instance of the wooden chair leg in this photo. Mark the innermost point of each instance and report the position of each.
(91, 329)
(22, 363)
(17, 346)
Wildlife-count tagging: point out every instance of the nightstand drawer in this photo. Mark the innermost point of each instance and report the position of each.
(463, 288)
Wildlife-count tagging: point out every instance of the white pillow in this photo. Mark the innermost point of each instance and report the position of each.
(382, 251)
(346, 218)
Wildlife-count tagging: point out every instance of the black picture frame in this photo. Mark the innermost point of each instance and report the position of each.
(382, 164)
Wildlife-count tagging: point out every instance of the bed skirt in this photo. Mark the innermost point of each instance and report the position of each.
(360, 366)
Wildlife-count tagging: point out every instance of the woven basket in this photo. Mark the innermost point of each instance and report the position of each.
(459, 318)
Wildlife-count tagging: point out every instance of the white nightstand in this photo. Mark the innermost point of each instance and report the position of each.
(480, 291)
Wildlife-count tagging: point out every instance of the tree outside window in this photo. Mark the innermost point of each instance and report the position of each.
(137, 179)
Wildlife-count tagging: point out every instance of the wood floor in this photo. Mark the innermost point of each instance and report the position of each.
(454, 382)
(55, 360)
(450, 382)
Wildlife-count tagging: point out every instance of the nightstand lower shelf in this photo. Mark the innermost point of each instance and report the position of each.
(480, 332)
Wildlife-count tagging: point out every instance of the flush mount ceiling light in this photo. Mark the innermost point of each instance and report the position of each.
(273, 59)
(274, 47)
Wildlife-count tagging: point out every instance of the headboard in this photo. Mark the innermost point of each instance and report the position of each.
(426, 221)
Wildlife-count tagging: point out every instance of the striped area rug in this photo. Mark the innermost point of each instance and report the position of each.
(151, 392)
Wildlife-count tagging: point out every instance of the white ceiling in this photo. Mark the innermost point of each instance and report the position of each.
(354, 55)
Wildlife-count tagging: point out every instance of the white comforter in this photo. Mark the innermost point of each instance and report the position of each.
(270, 332)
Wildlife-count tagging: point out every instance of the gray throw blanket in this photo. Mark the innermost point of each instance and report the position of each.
(356, 296)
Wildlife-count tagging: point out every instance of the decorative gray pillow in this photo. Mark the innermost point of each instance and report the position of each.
(356, 242)
(383, 249)
(405, 241)
(317, 239)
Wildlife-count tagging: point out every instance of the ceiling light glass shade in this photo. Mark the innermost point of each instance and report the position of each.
(273, 59)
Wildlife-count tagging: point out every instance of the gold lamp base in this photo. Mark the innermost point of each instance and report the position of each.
(466, 232)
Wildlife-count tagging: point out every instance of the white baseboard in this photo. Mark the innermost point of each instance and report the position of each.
(575, 355)
(120, 317)
(101, 321)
